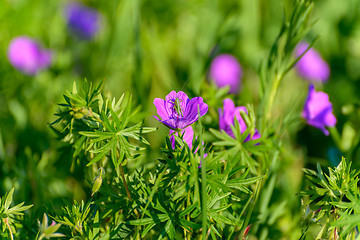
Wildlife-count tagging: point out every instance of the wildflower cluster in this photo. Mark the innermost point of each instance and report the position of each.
(128, 155)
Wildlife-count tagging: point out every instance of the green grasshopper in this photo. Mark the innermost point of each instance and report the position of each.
(176, 107)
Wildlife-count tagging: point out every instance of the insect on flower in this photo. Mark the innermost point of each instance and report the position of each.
(176, 107)
(177, 111)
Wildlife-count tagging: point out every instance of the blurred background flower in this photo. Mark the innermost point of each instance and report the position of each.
(311, 66)
(318, 110)
(26, 55)
(83, 21)
(225, 70)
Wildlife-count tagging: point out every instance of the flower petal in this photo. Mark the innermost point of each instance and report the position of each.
(183, 99)
(317, 103)
(229, 111)
(170, 123)
(161, 108)
(318, 110)
(191, 111)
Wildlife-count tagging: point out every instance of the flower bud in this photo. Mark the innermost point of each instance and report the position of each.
(97, 185)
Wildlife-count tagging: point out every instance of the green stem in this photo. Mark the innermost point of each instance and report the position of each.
(127, 190)
(203, 186)
(252, 206)
(272, 95)
(188, 236)
(204, 196)
(124, 180)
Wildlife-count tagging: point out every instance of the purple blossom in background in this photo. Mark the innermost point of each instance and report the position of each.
(82, 20)
(311, 66)
(177, 111)
(225, 70)
(226, 120)
(318, 110)
(26, 55)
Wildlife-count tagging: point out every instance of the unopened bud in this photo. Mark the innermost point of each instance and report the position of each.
(97, 185)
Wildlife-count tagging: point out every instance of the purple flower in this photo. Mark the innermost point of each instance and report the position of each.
(177, 111)
(311, 66)
(26, 55)
(227, 116)
(82, 20)
(318, 110)
(225, 70)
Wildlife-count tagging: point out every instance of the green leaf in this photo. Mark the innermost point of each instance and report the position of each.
(52, 229)
(220, 218)
(100, 156)
(125, 117)
(145, 221)
(147, 229)
(116, 119)
(107, 123)
(8, 199)
(188, 225)
(188, 209)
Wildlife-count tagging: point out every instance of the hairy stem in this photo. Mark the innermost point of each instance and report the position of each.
(125, 183)
(272, 95)
(127, 189)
